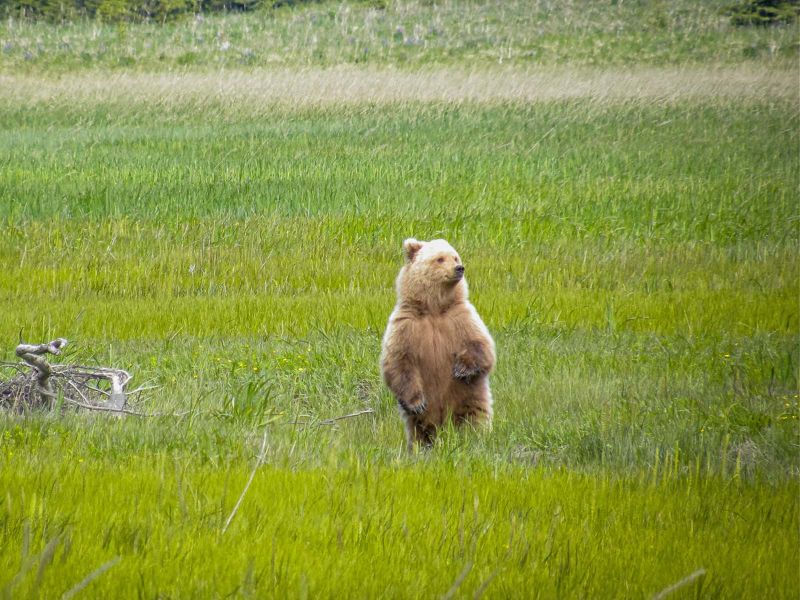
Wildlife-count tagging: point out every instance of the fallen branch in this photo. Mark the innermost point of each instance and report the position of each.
(367, 411)
(331, 421)
(143, 388)
(53, 347)
(259, 460)
(41, 385)
(31, 354)
(125, 411)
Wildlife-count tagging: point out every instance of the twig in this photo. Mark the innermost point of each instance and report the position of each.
(113, 410)
(482, 587)
(97, 389)
(90, 577)
(116, 409)
(297, 420)
(14, 365)
(367, 411)
(77, 389)
(459, 580)
(330, 421)
(53, 347)
(143, 388)
(700, 573)
(127, 411)
(259, 460)
(91, 372)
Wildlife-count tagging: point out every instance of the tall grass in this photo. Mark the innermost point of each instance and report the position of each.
(403, 531)
(644, 297)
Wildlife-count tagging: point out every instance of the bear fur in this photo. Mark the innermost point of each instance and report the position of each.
(437, 353)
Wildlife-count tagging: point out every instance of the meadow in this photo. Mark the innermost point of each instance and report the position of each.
(230, 234)
(405, 33)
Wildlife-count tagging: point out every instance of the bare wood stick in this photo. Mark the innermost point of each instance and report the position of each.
(90, 577)
(482, 587)
(143, 388)
(80, 371)
(94, 407)
(31, 354)
(69, 372)
(330, 421)
(14, 365)
(459, 580)
(105, 409)
(53, 347)
(122, 410)
(91, 372)
(367, 411)
(117, 399)
(138, 390)
(96, 389)
(679, 584)
(77, 389)
(260, 459)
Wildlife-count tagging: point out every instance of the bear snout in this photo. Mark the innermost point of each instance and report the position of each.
(459, 271)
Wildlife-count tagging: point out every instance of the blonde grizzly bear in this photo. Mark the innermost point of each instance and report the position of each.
(437, 353)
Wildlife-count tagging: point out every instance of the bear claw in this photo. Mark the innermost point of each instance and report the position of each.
(464, 373)
(413, 409)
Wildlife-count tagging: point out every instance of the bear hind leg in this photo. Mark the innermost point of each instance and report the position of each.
(420, 434)
(476, 414)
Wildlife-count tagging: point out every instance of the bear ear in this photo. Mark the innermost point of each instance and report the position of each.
(410, 248)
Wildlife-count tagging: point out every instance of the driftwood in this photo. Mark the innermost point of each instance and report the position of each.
(44, 386)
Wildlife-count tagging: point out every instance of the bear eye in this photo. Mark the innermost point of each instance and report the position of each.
(440, 259)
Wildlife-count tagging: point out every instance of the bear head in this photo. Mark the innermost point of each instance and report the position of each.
(433, 276)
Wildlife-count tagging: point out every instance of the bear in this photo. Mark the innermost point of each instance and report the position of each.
(437, 353)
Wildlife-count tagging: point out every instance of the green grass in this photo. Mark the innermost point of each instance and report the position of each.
(636, 262)
(634, 255)
(400, 530)
(408, 34)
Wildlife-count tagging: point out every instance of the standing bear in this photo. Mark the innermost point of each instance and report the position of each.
(437, 353)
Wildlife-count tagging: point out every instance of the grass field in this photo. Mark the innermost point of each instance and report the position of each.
(410, 34)
(630, 231)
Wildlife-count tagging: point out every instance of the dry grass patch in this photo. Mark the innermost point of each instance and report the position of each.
(347, 85)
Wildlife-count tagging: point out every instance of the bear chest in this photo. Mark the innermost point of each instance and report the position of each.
(437, 339)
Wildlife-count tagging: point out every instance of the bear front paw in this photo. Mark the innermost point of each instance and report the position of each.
(415, 406)
(464, 372)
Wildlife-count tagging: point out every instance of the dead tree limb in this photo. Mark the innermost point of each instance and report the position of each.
(31, 354)
(40, 384)
(367, 411)
(124, 411)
